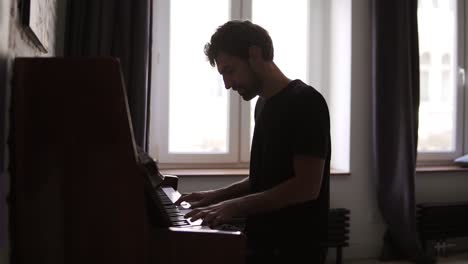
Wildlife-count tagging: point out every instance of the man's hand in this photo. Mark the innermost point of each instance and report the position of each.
(197, 199)
(217, 214)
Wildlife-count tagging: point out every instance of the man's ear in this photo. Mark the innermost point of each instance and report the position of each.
(255, 54)
(255, 57)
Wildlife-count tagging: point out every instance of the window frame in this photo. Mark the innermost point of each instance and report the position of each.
(463, 74)
(238, 129)
(328, 21)
(461, 130)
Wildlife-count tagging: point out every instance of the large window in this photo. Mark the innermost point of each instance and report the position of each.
(442, 121)
(194, 120)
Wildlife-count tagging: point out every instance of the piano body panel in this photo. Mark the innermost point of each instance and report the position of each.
(183, 245)
(77, 190)
(77, 193)
(195, 244)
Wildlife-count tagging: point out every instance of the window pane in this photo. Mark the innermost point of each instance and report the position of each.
(437, 41)
(198, 102)
(287, 23)
(253, 102)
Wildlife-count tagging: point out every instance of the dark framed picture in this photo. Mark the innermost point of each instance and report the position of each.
(34, 17)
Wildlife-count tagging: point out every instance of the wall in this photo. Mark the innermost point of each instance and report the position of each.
(356, 191)
(14, 42)
(4, 29)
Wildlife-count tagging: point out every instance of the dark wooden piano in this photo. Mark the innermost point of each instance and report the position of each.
(78, 192)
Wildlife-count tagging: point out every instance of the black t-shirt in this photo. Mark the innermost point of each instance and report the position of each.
(294, 121)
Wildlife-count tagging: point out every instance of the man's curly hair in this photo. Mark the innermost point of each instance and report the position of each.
(235, 37)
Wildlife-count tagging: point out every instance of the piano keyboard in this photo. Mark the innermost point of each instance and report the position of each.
(168, 196)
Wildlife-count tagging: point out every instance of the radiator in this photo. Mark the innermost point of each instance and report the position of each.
(439, 222)
(338, 231)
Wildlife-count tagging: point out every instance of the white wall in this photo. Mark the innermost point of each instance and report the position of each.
(4, 32)
(356, 191)
(14, 42)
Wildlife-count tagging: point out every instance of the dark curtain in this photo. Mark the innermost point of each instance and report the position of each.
(122, 29)
(395, 85)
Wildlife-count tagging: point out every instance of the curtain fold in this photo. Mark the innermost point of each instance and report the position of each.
(395, 85)
(121, 29)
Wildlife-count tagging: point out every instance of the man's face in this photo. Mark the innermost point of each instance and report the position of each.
(238, 75)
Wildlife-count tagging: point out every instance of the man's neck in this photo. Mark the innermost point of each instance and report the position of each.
(273, 81)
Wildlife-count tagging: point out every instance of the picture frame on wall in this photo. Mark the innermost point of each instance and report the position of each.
(35, 19)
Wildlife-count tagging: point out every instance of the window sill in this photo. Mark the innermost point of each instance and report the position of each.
(443, 168)
(223, 172)
(245, 172)
(206, 172)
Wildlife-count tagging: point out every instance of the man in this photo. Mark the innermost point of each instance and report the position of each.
(285, 199)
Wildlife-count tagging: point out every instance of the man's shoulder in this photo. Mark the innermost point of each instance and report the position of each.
(305, 94)
(300, 89)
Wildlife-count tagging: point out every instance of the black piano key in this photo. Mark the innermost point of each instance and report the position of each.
(180, 223)
(172, 210)
(171, 206)
(175, 214)
(177, 218)
(166, 202)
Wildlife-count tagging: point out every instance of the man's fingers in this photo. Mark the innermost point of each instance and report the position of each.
(197, 204)
(209, 217)
(182, 198)
(185, 205)
(191, 213)
(178, 201)
(190, 197)
(200, 203)
(218, 220)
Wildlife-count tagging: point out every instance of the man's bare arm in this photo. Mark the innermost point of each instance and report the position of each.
(204, 198)
(305, 186)
(235, 190)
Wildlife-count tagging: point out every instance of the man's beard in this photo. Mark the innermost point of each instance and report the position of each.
(254, 89)
(249, 94)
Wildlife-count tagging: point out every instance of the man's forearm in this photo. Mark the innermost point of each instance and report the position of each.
(288, 193)
(235, 190)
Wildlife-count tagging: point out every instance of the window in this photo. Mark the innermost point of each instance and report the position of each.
(194, 121)
(442, 120)
(425, 66)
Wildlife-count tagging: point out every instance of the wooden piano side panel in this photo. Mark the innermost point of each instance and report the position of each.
(77, 195)
(181, 246)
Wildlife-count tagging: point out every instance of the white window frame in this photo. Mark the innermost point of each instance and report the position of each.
(463, 74)
(325, 24)
(461, 130)
(160, 108)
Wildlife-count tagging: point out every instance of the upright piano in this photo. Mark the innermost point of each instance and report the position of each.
(79, 192)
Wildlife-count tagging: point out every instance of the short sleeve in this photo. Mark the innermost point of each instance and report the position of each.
(311, 125)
